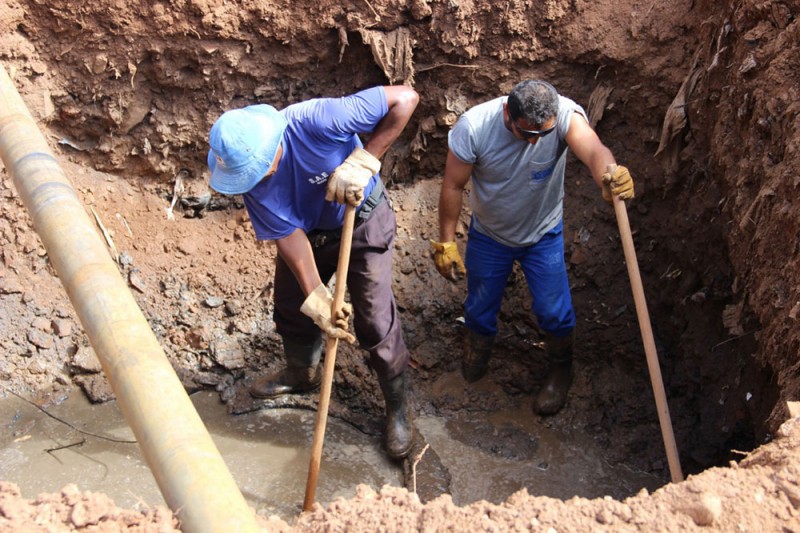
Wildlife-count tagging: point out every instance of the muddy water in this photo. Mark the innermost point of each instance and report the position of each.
(490, 459)
(268, 453)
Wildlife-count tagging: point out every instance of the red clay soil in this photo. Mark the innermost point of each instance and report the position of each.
(698, 98)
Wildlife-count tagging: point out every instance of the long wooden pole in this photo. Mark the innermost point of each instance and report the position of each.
(330, 357)
(647, 336)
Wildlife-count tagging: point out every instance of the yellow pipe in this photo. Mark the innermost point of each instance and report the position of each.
(187, 466)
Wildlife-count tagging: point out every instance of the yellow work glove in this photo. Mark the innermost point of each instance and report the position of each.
(317, 307)
(620, 183)
(347, 182)
(448, 260)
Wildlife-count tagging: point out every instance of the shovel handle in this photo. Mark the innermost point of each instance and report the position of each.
(647, 335)
(330, 357)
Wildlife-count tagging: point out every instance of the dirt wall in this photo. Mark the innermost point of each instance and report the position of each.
(746, 111)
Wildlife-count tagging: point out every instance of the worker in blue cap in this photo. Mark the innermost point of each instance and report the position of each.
(296, 169)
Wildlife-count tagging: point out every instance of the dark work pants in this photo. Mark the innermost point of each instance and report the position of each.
(369, 282)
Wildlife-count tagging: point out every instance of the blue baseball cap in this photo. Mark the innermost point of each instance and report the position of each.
(243, 147)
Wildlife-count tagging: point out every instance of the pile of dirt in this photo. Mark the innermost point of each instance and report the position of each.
(126, 95)
(73, 510)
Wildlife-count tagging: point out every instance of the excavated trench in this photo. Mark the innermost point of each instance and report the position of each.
(127, 99)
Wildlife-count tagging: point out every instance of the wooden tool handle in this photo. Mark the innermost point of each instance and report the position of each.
(647, 335)
(330, 357)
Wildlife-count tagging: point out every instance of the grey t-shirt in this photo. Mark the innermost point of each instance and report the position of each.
(518, 188)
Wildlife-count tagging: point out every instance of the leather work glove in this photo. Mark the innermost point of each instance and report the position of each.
(620, 183)
(317, 307)
(349, 179)
(448, 260)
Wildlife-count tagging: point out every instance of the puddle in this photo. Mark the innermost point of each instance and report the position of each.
(268, 453)
(490, 459)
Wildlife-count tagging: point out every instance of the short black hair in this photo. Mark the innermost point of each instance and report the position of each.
(534, 100)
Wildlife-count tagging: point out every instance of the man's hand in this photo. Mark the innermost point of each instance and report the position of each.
(448, 260)
(317, 307)
(620, 183)
(349, 179)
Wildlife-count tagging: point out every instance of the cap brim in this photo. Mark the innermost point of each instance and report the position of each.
(227, 181)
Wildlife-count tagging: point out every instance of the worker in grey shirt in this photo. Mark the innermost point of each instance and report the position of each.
(514, 149)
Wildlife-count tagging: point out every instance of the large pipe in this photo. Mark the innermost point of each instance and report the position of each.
(187, 466)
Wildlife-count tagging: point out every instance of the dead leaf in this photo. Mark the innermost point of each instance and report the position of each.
(676, 120)
(392, 52)
(597, 103)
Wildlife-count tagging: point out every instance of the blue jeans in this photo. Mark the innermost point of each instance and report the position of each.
(489, 264)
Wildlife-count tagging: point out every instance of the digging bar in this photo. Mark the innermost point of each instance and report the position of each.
(330, 357)
(647, 335)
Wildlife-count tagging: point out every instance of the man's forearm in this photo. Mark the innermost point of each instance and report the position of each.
(450, 202)
(402, 102)
(296, 250)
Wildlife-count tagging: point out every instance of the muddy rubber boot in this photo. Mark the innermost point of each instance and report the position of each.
(302, 372)
(477, 352)
(553, 395)
(399, 431)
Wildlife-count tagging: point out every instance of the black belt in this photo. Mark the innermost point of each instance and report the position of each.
(319, 237)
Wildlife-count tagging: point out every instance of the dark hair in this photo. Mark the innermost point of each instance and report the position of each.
(534, 100)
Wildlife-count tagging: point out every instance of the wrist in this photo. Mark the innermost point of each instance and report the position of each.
(315, 300)
(365, 160)
(440, 246)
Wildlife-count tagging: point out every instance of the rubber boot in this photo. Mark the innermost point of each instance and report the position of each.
(302, 372)
(478, 351)
(553, 395)
(399, 431)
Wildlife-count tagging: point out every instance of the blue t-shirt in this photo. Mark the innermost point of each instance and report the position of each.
(320, 135)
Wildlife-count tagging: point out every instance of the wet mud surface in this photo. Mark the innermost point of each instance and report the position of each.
(267, 450)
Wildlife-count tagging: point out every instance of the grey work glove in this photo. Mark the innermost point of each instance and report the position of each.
(348, 181)
(317, 307)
